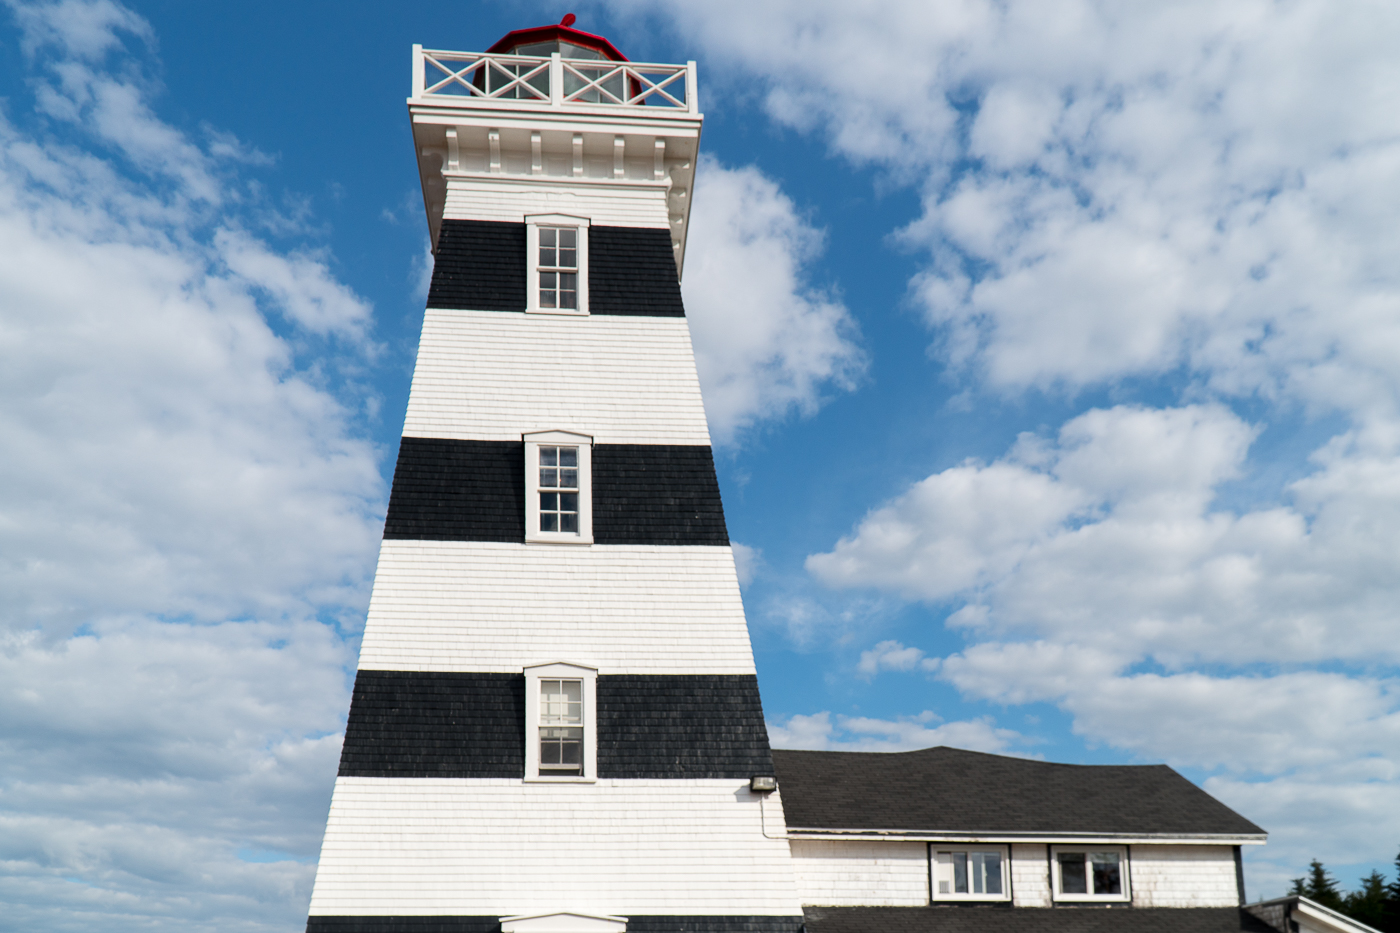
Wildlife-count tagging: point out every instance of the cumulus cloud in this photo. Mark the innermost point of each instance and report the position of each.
(767, 344)
(188, 515)
(862, 734)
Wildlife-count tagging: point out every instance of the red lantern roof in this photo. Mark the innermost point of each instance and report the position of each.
(557, 33)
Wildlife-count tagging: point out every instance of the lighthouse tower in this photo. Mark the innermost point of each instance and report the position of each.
(555, 725)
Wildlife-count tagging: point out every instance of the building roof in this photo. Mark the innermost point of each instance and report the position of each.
(937, 790)
(559, 33)
(1032, 920)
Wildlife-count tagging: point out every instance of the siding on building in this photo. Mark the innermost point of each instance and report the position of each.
(624, 609)
(624, 205)
(1030, 875)
(499, 846)
(488, 375)
(1183, 876)
(867, 872)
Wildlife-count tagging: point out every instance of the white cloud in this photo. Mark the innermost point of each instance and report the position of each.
(187, 513)
(767, 343)
(894, 656)
(863, 734)
(747, 561)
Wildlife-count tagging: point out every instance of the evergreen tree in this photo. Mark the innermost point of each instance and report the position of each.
(1368, 903)
(1322, 887)
(1390, 910)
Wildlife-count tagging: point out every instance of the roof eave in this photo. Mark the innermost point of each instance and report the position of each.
(911, 835)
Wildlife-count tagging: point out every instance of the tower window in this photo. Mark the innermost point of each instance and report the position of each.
(558, 493)
(559, 268)
(559, 489)
(561, 741)
(558, 264)
(561, 727)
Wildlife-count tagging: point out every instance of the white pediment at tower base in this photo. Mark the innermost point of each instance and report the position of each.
(563, 922)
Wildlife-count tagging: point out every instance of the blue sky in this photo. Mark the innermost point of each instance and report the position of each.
(1052, 352)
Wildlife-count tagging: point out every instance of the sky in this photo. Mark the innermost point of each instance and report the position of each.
(1051, 351)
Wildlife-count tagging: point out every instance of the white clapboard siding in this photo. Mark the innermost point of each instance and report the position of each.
(617, 205)
(1030, 876)
(493, 375)
(499, 847)
(1184, 876)
(861, 873)
(488, 606)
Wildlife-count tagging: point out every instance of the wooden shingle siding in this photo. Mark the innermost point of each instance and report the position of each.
(625, 609)
(686, 726)
(479, 265)
(464, 490)
(1183, 876)
(452, 490)
(635, 924)
(656, 494)
(499, 847)
(632, 270)
(624, 380)
(472, 725)
(868, 872)
(502, 199)
(1030, 875)
(423, 724)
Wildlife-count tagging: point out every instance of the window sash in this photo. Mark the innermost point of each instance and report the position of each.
(1091, 874)
(970, 873)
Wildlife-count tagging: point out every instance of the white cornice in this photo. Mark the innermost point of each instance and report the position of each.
(904, 835)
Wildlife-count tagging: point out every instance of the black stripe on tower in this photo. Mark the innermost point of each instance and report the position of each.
(480, 266)
(455, 490)
(635, 924)
(472, 725)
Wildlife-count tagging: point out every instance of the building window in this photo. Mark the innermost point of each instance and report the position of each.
(1090, 873)
(561, 723)
(970, 874)
(558, 264)
(558, 492)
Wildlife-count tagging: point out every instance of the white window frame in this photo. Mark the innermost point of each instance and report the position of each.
(935, 870)
(1125, 875)
(533, 442)
(561, 670)
(533, 223)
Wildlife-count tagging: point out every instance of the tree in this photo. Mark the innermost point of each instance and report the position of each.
(1320, 886)
(1368, 903)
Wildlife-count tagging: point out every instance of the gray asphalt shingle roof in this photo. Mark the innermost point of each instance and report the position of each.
(950, 790)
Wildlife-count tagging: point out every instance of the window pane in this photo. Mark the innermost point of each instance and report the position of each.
(1072, 877)
(568, 259)
(568, 300)
(546, 256)
(568, 456)
(568, 479)
(568, 237)
(549, 478)
(549, 502)
(568, 522)
(548, 236)
(1107, 879)
(960, 872)
(549, 521)
(568, 280)
(988, 872)
(944, 869)
(568, 502)
(549, 456)
(549, 281)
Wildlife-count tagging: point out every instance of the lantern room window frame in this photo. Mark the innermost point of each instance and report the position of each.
(533, 224)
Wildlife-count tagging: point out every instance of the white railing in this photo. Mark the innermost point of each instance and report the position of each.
(556, 81)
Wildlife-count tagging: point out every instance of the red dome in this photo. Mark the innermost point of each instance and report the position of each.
(557, 35)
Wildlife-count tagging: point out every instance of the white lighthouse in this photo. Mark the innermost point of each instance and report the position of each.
(556, 725)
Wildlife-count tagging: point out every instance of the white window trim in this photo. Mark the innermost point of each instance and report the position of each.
(584, 443)
(935, 849)
(533, 222)
(1123, 867)
(561, 670)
